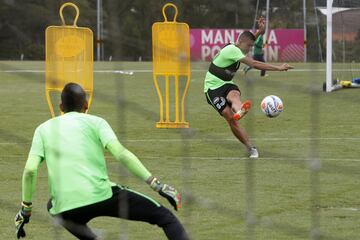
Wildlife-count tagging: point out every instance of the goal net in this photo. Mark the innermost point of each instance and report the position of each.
(343, 44)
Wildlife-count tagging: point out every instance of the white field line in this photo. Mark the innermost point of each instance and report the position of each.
(131, 72)
(223, 158)
(218, 139)
(352, 209)
(235, 140)
(245, 158)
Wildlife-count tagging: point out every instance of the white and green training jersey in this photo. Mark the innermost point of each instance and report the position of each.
(226, 57)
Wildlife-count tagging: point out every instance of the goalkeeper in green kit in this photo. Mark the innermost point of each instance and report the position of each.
(72, 145)
(223, 94)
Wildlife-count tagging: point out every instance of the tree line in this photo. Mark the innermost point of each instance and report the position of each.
(127, 23)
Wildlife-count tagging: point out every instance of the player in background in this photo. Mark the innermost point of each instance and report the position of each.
(72, 145)
(258, 52)
(223, 94)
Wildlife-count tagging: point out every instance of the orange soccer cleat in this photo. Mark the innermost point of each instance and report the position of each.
(245, 107)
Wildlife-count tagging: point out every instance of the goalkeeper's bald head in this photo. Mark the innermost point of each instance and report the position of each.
(73, 98)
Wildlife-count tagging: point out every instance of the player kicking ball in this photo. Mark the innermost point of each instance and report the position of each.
(223, 94)
(72, 145)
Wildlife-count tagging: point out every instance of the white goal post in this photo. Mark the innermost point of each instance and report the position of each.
(329, 86)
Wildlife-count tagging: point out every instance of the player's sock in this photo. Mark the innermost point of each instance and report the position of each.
(245, 107)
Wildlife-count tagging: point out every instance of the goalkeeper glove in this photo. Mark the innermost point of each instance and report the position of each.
(166, 191)
(21, 218)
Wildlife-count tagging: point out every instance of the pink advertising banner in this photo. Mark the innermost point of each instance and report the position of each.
(284, 45)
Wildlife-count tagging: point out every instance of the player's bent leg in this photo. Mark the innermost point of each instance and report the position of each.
(245, 107)
(239, 108)
(79, 230)
(172, 227)
(127, 204)
(75, 222)
(143, 208)
(239, 132)
(234, 125)
(233, 97)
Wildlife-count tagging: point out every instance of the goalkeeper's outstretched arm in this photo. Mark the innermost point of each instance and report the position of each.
(30, 177)
(133, 164)
(128, 159)
(28, 187)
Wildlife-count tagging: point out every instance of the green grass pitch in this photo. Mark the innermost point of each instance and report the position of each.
(206, 163)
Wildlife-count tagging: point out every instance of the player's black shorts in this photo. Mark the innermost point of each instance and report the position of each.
(217, 97)
(124, 203)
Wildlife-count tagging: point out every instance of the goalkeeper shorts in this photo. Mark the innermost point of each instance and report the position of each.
(126, 204)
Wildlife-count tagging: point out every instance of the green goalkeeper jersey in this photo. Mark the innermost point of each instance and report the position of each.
(72, 146)
(226, 57)
(258, 45)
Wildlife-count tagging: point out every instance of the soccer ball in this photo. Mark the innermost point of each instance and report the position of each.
(272, 106)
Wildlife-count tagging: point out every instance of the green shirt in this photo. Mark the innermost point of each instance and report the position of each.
(72, 146)
(258, 45)
(227, 56)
